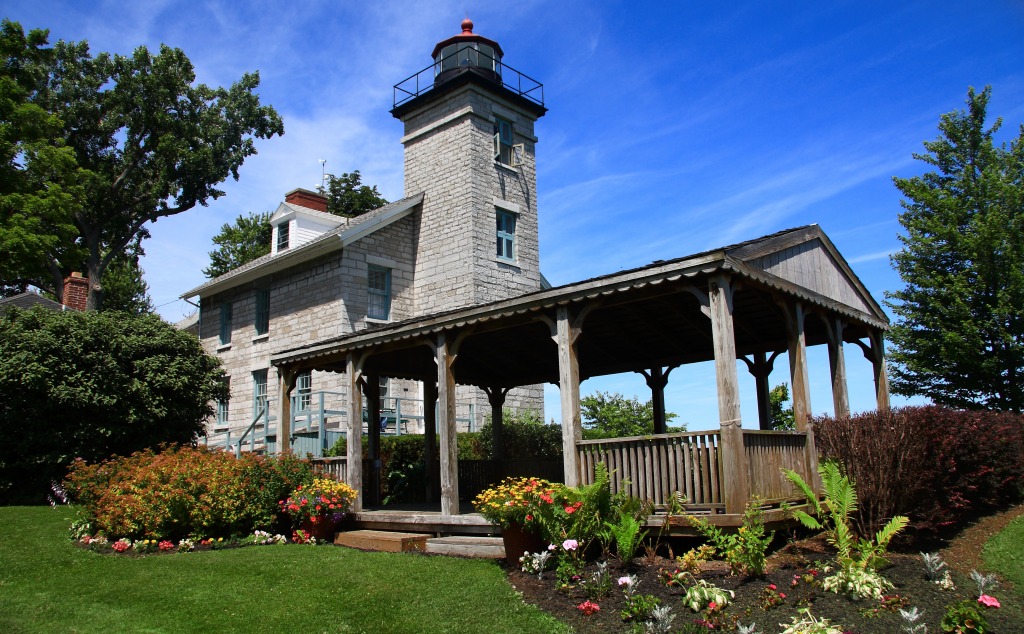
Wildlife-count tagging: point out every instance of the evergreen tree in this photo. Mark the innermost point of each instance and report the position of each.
(959, 334)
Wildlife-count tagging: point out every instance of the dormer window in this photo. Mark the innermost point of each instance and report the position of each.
(282, 236)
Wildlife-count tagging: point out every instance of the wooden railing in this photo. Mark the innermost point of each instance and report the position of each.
(336, 467)
(767, 454)
(656, 467)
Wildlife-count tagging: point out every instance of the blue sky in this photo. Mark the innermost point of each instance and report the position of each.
(673, 127)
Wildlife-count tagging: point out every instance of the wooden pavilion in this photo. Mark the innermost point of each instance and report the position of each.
(747, 302)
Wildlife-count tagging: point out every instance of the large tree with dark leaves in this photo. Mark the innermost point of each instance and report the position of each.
(959, 335)
(148, 143)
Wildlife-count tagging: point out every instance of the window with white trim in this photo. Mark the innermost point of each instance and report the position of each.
(506, 235)
(223, 404)
(282, 236)
(378, 289)
(259, 391)
(304, 390)
(503, 141)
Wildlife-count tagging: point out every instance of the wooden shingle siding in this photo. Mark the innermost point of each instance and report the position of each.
(810, 265)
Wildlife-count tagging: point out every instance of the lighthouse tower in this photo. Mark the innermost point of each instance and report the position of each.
(469, 148)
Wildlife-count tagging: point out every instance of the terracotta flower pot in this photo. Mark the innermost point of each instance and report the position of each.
(517, 540)
(323, 529)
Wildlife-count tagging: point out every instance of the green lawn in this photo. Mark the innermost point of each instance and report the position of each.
(49, 585)
(1004, 553)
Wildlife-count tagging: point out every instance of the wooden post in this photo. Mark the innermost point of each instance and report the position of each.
(878, 364)
(285, 385)
(371, 388)
(657, 379)
(798, 367)
(354, 435)
(837, 365)
(569, 392)
(430, 436)
(761, 367)
(445, 357)
(496, 397)
(735, 480)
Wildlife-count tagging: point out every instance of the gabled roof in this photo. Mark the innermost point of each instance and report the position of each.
(27, 301)
(643, 311)
(322, 217)
(333, 240)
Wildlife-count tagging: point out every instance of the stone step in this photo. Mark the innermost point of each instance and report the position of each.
(386, 541)
(464, 546)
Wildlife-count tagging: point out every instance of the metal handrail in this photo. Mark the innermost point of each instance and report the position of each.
(423, 81)
(252, 428)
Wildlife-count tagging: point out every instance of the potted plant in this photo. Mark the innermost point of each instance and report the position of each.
(318, 507)
(519, 506)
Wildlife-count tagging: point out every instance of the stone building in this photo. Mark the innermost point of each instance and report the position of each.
(465, 233)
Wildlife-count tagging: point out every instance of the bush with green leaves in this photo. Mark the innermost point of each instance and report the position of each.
(91, 385)
(524, 436)
(184, 492)
(745, 549)
(857, 561)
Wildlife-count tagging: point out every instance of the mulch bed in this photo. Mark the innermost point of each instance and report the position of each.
(796, 558)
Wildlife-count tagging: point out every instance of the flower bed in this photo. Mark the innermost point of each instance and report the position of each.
(794, 571)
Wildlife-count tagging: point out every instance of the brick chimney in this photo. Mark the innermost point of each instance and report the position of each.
(76, 291)
(306, 198)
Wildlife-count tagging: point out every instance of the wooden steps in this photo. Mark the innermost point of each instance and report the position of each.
(396, 542)
(465, 546)
(386, 541)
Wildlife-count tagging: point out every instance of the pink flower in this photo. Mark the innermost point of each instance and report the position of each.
(988, 602)
(625, 581)
(570, 544)
(712, 605)
(570, 510)
(772, 587)
(588, 607)
(782, 595)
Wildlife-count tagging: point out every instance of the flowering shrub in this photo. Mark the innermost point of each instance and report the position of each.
(121, 545)
(518, 500)
(182, 492)
(588, 607)
(165, 545)
(322, 500)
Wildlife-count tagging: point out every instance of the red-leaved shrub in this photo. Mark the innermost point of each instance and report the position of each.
(938, 466)
(184, 492)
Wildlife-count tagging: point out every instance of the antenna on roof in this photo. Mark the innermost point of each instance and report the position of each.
(323, 174)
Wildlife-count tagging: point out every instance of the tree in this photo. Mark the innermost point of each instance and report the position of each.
(615, 416)
(40, 182)
(244, 241)
(781, 416)
(348, 197)
(959, 334)
(124, 288)
(94, 384)
(148, 144)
